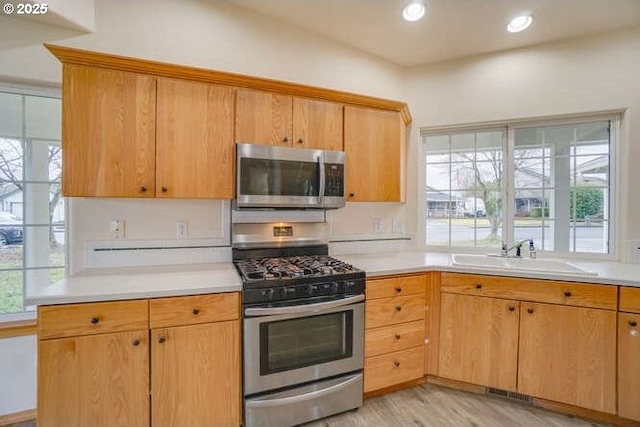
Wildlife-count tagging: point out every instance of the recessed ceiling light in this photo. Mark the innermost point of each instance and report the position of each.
(413, 11)
(520, 23)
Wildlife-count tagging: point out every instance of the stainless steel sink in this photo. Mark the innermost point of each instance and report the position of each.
(519, 264)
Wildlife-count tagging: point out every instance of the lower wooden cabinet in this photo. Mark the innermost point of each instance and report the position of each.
(628, 365)
(96, 380)
(394, 331)
(479, 340)
(194, 375)
(184, 373)
(568, 355)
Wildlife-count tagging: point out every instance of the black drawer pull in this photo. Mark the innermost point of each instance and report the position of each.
(397, 336)
(161, 339)
(398, 308)
(478, 286)
(396, 364)
(94, 320)
(164, 189)
(530, 310)
(195, 311)
(512, 308)
(136, 343)
(633, 323)
(143, 188)
(567, 293)
(398, 289)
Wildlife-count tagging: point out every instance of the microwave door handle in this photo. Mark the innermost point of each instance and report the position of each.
(322, 183)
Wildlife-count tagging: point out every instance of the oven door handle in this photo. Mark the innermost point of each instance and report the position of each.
(297, 309)
(303, 397)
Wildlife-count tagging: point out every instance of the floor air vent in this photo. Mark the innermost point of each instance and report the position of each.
(518, 397)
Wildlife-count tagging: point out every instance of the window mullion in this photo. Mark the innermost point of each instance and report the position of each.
(508, 187)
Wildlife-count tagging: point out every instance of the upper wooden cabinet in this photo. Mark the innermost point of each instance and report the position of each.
(273, 119)
(108, 133)
(194, 147)
(129, 135)
(374, 146)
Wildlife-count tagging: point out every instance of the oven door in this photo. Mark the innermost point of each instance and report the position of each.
(291, 345)
(279, 177)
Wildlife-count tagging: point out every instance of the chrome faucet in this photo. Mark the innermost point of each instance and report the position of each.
(518, 247)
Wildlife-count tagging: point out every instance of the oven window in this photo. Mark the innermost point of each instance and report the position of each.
(296, 343)
(262, 177)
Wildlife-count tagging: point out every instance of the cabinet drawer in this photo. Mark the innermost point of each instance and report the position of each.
(393, 368)
(389, 311)
(393, 338)
(535, 290)
(395, 286)
(189, 310)
(57, 321)
(630, 299)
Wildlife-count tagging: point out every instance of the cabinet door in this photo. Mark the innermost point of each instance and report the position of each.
(263, 118)
(374, 146)
(317, 124)
(479, 340)
(195, 375)
(568, 354)
(195, 149)
(108, 133)
(628, 365)
(98, 380)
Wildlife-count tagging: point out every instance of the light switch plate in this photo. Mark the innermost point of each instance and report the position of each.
(182, 229)
(116, 226)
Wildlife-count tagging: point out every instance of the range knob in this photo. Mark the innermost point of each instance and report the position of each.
(311, 289)
(283, 292)
(267, 294)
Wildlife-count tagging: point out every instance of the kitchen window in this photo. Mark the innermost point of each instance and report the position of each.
(32, 215)
(550, 182)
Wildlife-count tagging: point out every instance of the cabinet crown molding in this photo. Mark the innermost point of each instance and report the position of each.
(69, 55)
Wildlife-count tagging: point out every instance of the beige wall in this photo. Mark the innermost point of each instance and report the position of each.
(579, 76)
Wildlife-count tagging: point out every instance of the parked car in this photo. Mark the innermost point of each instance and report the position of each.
(10, 229)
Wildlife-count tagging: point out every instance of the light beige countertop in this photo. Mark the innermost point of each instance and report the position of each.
(381, 264)
(158, 281)
(138, 282)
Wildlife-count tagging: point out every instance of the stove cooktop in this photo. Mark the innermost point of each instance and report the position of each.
(283, 268)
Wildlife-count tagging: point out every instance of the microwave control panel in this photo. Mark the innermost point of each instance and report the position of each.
(334, 180)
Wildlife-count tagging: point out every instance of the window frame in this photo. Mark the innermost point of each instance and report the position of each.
(615, 117)
(19, 318)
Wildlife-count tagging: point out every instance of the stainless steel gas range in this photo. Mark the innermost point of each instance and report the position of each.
(303, 320)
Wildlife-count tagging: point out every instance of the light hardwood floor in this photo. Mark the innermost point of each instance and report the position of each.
(429, 405)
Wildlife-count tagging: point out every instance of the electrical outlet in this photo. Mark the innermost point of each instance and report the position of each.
(116, 226)
(396, 225)
(182, 229)
(377, 225)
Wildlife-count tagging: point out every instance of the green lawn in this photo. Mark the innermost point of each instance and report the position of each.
(11, 282)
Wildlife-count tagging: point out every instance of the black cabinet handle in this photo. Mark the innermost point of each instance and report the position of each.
(195, 311)
(351, 194)
(285, 139)
(398, 289)
(529, 310)
(300, 141)
(396, 363)
(143, 188)
(478, 286)
(95, 320)
(398, 308)
(161, 339)
(164, 189)
(136, 342)
(397, 336)
(633, 323)
(512, 308)
(567, 293)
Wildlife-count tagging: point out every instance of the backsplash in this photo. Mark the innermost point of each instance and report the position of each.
(149, 231)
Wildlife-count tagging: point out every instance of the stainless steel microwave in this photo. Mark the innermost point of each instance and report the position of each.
(285, 177)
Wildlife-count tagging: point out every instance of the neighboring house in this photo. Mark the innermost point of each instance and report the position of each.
(11, 201)
(440, 203)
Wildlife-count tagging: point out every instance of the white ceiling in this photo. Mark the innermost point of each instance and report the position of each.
(451, 28)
